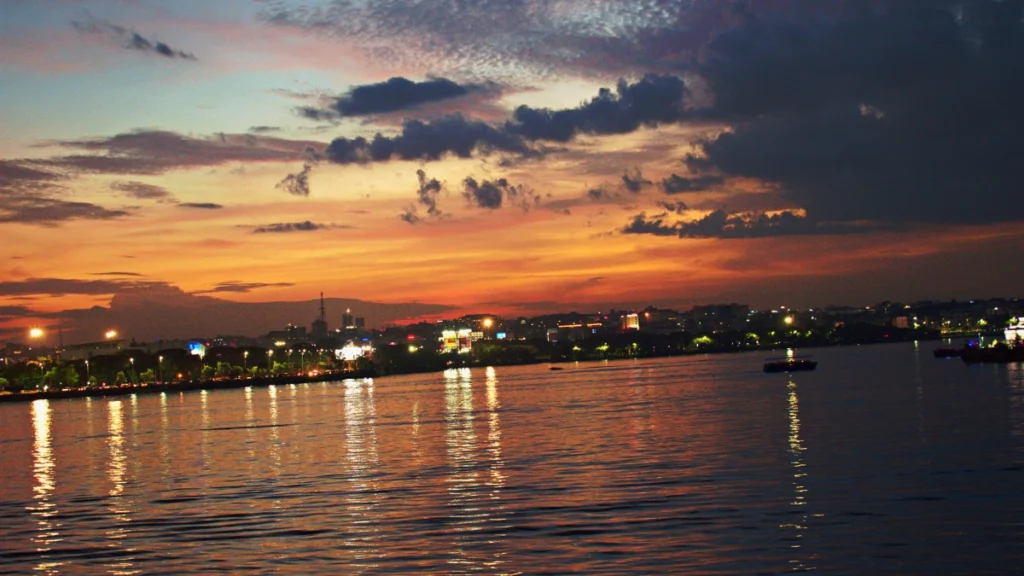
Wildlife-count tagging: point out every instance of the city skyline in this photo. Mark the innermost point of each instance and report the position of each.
(188, 159)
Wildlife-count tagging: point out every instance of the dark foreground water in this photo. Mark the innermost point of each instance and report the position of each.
(885, 460)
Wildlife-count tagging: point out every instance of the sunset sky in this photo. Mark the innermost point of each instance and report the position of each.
(533, 155)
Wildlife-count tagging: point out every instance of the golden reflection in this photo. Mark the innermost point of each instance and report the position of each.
(117, 472)
(417, 452)
(494, 434)
(250, 433)
(165, 438)
(796, 458)
(44, 468)
(363, 496)
(464, 483)
(275, 438)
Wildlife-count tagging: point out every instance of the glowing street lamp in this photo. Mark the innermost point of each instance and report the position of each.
(245, 360)
(788, 320)
(160, 369)
(488, 322)
(270, 354)
(110, 334)
(35, 333)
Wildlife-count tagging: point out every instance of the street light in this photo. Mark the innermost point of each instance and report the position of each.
(35, 333)
(488, 322)
(245, 360)
(132, 360)
(110, 334)
(270, 367)
(160, 369)
(86, 372)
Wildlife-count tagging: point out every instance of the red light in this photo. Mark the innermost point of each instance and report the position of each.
(411, 336)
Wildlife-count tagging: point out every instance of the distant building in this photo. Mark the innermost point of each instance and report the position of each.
(347, 322)
(290, 334)
(901, 322)
(360, 323)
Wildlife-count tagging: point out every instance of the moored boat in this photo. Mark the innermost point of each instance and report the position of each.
(791, 364)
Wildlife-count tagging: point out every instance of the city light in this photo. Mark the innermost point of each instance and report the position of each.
(110, 334)
(488, 322)
(35, 333)
(788, 320)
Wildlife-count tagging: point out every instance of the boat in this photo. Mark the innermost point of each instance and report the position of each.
(1000, 353)
(790, 364)
(948, 352)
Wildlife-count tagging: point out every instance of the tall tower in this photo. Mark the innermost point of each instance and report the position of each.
(320, 324)
(346, 320)
(323, 313)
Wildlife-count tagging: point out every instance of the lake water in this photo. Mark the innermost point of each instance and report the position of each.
(884, 460)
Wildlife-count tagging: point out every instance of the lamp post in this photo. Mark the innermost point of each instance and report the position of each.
(245, 361)
(87, 373)
(270, 354)
(160, 369)
(132, 361)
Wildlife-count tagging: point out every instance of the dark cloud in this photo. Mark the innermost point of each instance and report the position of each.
(305, 226)
(316, 114)
(201, 205)
(652, 101)
(399, 94)
(655, 226)
(892, 112)
(634, 182)
(426, 195)
(237, 287)
(671, 206)
(263, 129)
(128, 38)
(676, 184)
(431, 140)
(297, 184)
(143, 191)
(720, 224)
(492, 194)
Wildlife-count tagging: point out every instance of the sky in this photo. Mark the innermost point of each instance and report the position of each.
(501, 156)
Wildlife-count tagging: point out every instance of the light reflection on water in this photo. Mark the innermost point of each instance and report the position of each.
(43, 466)
(700, 465)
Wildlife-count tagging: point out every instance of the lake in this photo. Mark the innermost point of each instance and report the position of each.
(884, 460)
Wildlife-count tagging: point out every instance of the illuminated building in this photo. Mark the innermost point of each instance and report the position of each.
(460, 341)
(196, 348)
(347, 322)
(1015, 332)
(631, 322)
(351, 352)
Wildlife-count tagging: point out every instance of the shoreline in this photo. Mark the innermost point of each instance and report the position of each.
(198, 385)
(186, 386)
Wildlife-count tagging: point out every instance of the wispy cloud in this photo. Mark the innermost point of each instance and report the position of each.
(305, 226)
(128, 39)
